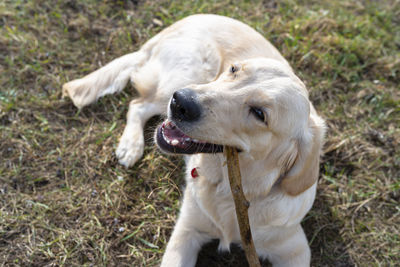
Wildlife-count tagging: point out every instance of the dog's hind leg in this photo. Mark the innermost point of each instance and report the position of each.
(109, 79)
(284, 247)
(131, 145)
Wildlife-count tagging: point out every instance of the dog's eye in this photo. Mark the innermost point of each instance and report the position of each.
(234, 68)
(258, 113)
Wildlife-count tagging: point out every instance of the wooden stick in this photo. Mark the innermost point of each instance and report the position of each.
(241, 206)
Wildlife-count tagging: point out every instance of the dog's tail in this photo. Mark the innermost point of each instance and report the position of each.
(109, 79)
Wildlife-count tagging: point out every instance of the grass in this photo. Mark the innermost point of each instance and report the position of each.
(64, 200)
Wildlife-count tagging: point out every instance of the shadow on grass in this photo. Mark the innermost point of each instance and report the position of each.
(323, 231)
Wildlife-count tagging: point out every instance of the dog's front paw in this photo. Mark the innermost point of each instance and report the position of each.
(129, 151)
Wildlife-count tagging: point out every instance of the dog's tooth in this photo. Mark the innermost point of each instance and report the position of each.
(187, 139)
(174, 142)
(165, 138)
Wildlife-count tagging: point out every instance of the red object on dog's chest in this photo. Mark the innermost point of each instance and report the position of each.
(194, 173)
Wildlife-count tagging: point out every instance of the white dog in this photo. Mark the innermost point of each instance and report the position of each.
(222, 83)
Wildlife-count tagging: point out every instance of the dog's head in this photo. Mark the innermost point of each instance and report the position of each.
(258, 106)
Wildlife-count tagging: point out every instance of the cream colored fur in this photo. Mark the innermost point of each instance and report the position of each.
(279, 160)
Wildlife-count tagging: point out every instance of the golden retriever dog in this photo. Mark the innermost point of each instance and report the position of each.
(221, 83)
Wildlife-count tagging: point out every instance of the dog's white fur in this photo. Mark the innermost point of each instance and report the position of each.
(279, 160)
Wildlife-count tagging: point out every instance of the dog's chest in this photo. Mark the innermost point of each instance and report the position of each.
(209, 186)
(208, 183)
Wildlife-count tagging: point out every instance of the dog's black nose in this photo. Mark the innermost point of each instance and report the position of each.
(184, 105)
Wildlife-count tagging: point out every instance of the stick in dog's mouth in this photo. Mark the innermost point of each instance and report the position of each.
(171, 139)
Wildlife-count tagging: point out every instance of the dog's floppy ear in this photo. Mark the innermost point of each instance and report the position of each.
(304, 167)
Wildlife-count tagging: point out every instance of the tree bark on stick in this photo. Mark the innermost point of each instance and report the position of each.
(241, 205)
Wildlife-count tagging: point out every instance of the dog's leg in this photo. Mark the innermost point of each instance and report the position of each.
(288, 247)
(190, 233)
(151, 84)
(109, 79)
(183, 247)
(131, 144)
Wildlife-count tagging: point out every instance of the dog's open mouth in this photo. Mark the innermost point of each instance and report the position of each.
(171, 139)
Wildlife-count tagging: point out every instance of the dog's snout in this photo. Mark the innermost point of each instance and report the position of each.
(184, 105)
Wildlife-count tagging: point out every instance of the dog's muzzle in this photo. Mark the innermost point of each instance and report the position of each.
(184, 110)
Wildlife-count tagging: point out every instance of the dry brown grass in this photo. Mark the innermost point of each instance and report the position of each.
(66, 201)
